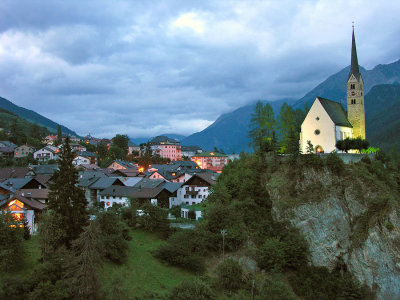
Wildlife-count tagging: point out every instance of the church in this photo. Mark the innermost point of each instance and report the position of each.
(327, 122)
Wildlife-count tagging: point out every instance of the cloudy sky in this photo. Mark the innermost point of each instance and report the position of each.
(150, 67)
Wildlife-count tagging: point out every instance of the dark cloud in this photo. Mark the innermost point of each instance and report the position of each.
(148, 67)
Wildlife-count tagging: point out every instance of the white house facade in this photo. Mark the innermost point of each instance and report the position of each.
(47, 153)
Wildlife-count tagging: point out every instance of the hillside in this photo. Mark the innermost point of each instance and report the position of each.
(230, 131)
(9, 119)
(33, 117)
(383, 116)
(334, 87)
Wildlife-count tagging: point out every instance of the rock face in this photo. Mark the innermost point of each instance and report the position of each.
(329, 228)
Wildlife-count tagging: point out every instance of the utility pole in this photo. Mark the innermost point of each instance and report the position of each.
(223, 232)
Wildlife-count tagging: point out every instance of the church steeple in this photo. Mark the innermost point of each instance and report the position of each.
(354, 61)
(355, 95)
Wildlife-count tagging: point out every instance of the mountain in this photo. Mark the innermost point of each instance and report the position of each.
(142, 140)
(230, 131)
(334, 87)
(33, 117)
(383, 116)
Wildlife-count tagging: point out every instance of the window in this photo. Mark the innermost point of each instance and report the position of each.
(317, 118)
(352, 86)
(317, 132)
(353, 101)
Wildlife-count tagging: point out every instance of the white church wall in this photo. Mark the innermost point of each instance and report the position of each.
(318, 119)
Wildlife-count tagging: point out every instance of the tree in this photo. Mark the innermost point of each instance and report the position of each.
(35, 131)
(192, 289)
(287, 123)
(121, 141)
(59, 136)
(262, 126)
(116, 152)
(66, 199)
(310, 147)
(11, 239)
(82, 271)
(51, 234)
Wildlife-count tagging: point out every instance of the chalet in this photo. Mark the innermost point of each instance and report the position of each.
(80, 160)
(41, 195)
(23, 183)
(47, 153)
(92, 157)
(22, 209)
(101, 184)
(193, 191)
(23, 151)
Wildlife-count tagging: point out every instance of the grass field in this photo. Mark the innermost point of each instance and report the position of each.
(139, 275)
(142, 273)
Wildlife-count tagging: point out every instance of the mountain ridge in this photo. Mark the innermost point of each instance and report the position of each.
(33, 117)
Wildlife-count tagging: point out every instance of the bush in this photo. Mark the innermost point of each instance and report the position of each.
(318, 283)
(274, 289)
(192, 289)
(192, 215)
(184, 249)
(334, 163)
(230, 275)
(271, 255)
(154, 219)
(114, 236)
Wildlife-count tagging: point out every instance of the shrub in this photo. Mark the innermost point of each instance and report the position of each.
(114, 236)
(230, 275)
(274, 289)
(184, 249)
(154, 219)
(334, 163)
(389, 226)
(192, 289)
(271, 255)
(192, 215)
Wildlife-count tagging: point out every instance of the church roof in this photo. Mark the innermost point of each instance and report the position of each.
(354, 69)
(335, 111)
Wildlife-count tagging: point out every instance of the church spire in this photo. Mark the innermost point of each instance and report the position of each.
(354, 61)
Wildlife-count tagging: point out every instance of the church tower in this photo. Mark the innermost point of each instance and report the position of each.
(355, 95)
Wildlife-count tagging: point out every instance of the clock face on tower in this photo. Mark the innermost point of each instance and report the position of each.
(353, 93)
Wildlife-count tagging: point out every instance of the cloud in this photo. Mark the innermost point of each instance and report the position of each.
(149, 67)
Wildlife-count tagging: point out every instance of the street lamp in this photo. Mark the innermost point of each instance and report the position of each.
(223, 232)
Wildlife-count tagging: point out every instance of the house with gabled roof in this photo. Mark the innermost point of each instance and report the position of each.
(22, 209)
(211, 160)
(194, 191)
(120, 164)
(46, 153)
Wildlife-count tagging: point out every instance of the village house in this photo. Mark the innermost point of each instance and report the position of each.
(23, 151)
(166, 147)
(80, 160)
(194, 191)
(47, 153)
(120, 164)
(50, 139)
(132, 147)
(211, 160)
(189, 151)
(21, 208)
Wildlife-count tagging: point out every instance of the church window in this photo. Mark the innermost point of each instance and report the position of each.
(317, 118)
(317, 132)
(352, 86)
(353, 101)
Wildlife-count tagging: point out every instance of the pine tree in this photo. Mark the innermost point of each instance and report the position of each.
(310, 147)
(59, 136)
(66, 199)
(82, 271)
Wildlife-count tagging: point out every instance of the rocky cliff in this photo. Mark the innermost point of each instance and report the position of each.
(349, 219)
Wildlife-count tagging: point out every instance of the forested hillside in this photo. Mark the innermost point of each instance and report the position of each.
(33, 117)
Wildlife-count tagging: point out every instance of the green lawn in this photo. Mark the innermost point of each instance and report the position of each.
(142, 272)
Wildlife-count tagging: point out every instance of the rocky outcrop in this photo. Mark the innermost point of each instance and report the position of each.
(329, 226)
